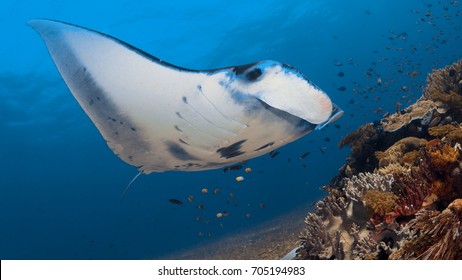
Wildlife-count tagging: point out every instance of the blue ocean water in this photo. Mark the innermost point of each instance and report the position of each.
(60, 185)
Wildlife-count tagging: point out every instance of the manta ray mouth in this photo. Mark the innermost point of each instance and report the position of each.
(300, 124)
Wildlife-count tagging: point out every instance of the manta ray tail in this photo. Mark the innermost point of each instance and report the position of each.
(129, 184)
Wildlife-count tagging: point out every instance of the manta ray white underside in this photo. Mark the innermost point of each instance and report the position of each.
(159, 117)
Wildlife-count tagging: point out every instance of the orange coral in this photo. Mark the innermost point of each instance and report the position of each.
(440, 154)
(410, 158)
(440, 189)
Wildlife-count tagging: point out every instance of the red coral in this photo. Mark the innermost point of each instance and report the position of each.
(411, 190)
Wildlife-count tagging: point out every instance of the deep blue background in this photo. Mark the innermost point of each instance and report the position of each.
(60, 184)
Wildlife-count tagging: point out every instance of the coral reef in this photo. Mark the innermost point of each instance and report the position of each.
(434, 235)
(448, 131)
(445, 85)
(399, 193)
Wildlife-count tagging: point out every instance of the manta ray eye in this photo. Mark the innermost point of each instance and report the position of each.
(253, 74)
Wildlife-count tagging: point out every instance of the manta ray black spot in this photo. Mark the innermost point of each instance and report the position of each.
(132, 128)
(182, 141)
(274, 154)
(232, 150)
(265, 146)
(178, 152)
(234, 167)
(210, 164)
(177, 128)
(254, 74)
(239, 70)
(185, 100)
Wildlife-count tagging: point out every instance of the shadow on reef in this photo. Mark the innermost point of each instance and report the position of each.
(399, 194)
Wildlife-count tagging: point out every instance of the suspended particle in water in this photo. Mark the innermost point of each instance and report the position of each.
(191, 198)
(248, 170)
(239, 178)
(219, 215)
(204, 190)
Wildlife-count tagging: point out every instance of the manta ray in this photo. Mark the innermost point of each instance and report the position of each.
(160, 117)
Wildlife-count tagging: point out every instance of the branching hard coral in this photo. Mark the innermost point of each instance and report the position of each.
(356, 186)
(436, 235)
(315, 240)
(337, 246)
(393, 168)
(330, 207)
(366, 249)
(371, 193)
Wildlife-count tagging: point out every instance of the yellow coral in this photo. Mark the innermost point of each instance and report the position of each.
(441, 155)
(380, 202)
(452, 132)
